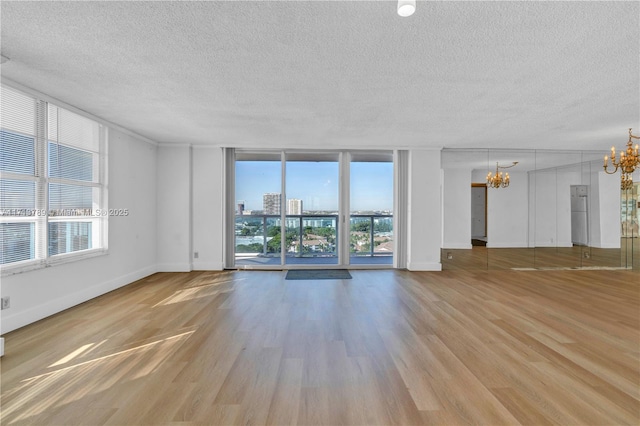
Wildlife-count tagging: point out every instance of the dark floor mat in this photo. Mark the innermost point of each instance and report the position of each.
(318, 274)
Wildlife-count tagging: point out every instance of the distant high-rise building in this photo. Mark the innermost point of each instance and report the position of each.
(294, 206)
(271, 203)
(240, 211)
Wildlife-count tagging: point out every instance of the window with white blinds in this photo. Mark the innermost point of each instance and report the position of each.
(52, 190)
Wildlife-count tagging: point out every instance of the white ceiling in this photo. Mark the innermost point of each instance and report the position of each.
(524, 74)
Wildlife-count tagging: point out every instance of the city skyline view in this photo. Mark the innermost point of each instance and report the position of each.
(316, 184)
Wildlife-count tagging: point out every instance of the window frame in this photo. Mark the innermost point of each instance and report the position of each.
(344, 158)
(42, 220)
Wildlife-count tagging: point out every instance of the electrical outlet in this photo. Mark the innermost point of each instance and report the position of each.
(196, 254)
(6, 303)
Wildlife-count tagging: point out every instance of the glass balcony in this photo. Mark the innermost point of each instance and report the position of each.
(312, 239)
(371, 239)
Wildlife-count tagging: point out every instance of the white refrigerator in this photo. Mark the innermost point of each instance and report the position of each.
(579, 223)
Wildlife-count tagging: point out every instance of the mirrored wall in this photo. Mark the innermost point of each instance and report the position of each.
(559, 210)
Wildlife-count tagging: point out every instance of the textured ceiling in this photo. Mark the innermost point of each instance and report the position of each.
(530, 75)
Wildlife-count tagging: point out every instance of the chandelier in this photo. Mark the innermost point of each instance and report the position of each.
(626, 182)
(628, 161)
(498, 180)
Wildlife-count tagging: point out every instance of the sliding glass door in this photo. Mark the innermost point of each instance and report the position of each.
(309, 209)
(258, 184)
(312, 188)
(371, 209)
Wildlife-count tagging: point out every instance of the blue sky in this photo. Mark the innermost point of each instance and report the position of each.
(316, 184)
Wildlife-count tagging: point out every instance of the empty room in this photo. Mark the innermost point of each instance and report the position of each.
(304, 212)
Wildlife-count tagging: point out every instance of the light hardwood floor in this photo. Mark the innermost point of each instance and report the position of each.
(387, 347)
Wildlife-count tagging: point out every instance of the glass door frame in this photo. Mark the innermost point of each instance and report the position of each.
(326, 156)
(343, 220)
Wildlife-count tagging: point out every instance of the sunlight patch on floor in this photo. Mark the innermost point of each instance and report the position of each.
(56, 388)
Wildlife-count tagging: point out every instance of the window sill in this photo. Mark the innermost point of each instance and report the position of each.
(60, 259)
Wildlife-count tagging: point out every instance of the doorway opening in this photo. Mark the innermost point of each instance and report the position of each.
(479, 214)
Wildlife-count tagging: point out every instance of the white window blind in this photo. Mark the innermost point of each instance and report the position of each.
(18, 177)
(52, 195)
(75, 192)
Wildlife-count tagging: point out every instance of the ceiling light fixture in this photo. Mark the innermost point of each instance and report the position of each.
(406, 7)
(629, 160)
(497, 180)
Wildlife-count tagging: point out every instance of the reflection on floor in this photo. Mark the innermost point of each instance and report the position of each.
(483, 258)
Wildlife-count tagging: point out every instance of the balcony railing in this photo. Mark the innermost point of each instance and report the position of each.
(312, 236)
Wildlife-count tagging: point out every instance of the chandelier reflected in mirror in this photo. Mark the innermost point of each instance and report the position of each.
(497, 180)
(626, 182)
(628, 161)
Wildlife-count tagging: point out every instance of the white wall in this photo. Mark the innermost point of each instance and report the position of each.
(508, 213)
(550, 224)
(544, 209)
(174, 208)
(174, 196)
(593, 216)
(539, 209)
(208, 218)
(190, 208)
(132, 243)
(609, 206)
(551, 212)
(507, 210)
(424, 211)
(456, 198)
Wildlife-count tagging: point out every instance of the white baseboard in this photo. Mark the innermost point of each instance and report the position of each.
(457, 246)
(607, 245)
(555, 245)
(507, 245)
(207, 266)
(1, 346)
(26, 317)
(174, 267)
(424, 266)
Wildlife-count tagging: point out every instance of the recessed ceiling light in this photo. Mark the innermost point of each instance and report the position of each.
(406, 7)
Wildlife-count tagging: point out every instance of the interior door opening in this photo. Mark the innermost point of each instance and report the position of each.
(479, 235)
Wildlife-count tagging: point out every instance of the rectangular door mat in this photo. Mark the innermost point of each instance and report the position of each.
(318, 274)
